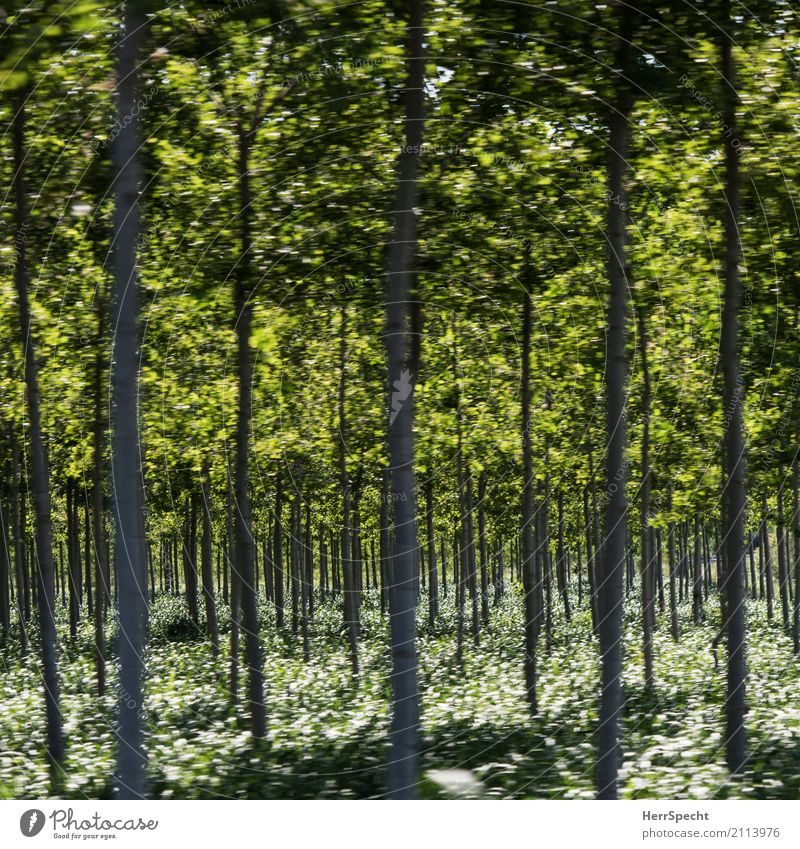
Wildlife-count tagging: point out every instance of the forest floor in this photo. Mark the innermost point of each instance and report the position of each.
(328, 735)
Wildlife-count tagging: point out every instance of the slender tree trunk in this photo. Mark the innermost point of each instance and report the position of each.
(18, 538)
(547, 562)
(529, 583)
(768, 579)
(783, 565)
(309, 552)
(400, 271)
(590, 560)
(385, 539)
(73, 563)
(471, 565)
(190, 558)
(277, 554)
(433, 580)
(5, 575)
(129, 548)
(673, 605)
(40, 473)
(697, 587)
(561, 559)
(207, 565)
(294, 561)
(612, 562)
(442, 551)
(234, 590)
(648, 612)
(482, 547)
(733, 402)
(298, 569)
(796, 535)
(244, 538)
(350, 620)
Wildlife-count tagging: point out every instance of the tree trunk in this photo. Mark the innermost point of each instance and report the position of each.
(277, 554)
(433, 579)
(244, 540)
(73, 562)
(783, 566)
(613, 552)
(235, 593)
(400, 271)
(590, 560)
(40, 473)
(471, 565)
(18, 539)
(561, 560)
(298, 573)
(733, 402)
(129, 540)
(309, 557)
(207, 565)
(768, 580)
(648, 612)
(673, 605)
(697, 587)
(350, 620)
(529, 582)
(384, 541)
(190, 558)
(482, 547)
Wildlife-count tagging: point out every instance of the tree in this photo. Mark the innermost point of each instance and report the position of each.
(129, 543)
(613, 551)
(399, 276)
(733, 401)
(40, 472)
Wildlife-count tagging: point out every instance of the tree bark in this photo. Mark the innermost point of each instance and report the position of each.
(40, 473)
(207, 564)
(697, 576)
(244, 539)
(129, 547)
(648, 611)
(433, 578)
(529, 583)
(783, 565)
(613, 551)
(350, 609)
(673, 604)
(733, 402)
(400, 271)
(18, 540)
(277, 554)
